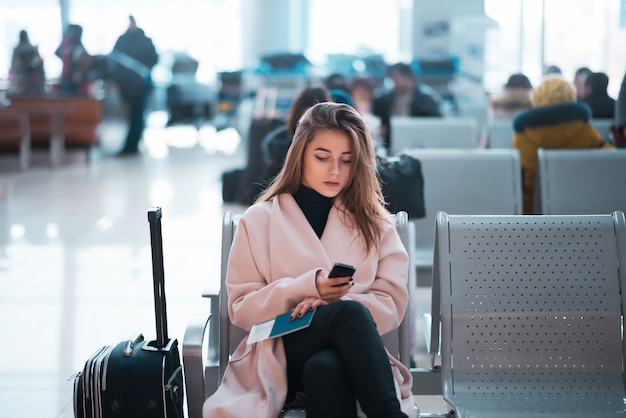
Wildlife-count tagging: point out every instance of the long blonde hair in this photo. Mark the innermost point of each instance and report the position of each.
(362, 197)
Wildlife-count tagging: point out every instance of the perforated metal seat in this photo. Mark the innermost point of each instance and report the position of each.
(501, 133)
(531, 314)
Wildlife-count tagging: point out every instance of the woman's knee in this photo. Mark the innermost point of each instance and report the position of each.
(354, 309)
(326, 362)
(327, 386)
(325, 375)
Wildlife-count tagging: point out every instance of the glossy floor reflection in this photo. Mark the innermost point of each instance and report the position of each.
(75, 263)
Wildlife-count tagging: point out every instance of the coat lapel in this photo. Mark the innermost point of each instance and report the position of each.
(293, 240)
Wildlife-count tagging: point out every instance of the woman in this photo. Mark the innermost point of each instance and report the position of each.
(325, 206)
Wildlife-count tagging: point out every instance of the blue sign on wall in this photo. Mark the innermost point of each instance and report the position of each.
(622, 14)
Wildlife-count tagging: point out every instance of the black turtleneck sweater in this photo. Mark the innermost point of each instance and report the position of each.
(315, 207)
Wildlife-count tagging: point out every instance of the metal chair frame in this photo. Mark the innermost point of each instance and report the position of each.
(531, 311)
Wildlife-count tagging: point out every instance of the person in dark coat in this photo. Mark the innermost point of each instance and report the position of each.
(619, 126)
(597, 98)
(407, 98)
(276, 144)
(135, 55)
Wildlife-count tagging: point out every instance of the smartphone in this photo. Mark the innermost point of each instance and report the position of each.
(341, 270)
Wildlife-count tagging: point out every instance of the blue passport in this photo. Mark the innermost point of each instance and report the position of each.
(279, 326)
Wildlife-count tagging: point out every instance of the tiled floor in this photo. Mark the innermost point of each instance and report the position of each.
(75, 263)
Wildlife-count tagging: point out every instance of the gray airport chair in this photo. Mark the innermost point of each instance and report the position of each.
(531, 314)
(501, 133)
(209, 340)
(471, 182)
(408, 132)
(580, 181)
(603, 127)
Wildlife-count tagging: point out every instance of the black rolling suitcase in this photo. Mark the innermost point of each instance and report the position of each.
(135, 378)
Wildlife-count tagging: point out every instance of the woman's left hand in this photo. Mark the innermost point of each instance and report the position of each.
(309, 303)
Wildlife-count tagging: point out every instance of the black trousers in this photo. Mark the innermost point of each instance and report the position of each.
(338, 359)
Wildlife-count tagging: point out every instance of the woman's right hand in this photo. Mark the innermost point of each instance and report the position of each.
(332, 289)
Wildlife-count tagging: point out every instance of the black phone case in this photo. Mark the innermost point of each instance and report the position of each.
(341, 270)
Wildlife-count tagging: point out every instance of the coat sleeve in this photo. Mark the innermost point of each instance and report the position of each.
(252, 297)
(388, 296)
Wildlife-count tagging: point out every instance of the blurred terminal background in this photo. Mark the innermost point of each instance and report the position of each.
(464, 49)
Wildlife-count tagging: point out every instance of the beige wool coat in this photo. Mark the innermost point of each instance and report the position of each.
(273, 260)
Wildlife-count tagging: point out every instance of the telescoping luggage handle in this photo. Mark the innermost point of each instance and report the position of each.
(156, 240)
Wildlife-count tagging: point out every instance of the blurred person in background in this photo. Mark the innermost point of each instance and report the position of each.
(579, 81)
(362, 92)
(406, 98)
(618, 130)
(136, 55)
(76, 62)
(556, 121)
(515, 97)
(595, 96)
(26, 75)
(552, 70)
(276, 144)
(338, 89)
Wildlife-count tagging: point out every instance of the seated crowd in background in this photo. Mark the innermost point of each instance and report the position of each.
(406, 96)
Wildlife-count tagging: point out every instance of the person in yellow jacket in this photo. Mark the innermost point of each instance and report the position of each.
(556, 121)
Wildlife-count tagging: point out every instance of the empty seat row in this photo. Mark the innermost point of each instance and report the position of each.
(460, 132)
(488, 181)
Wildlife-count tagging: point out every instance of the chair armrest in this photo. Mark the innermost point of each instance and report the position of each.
(193, 363)
(435, 308)
(213, 354)
(201, 373)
